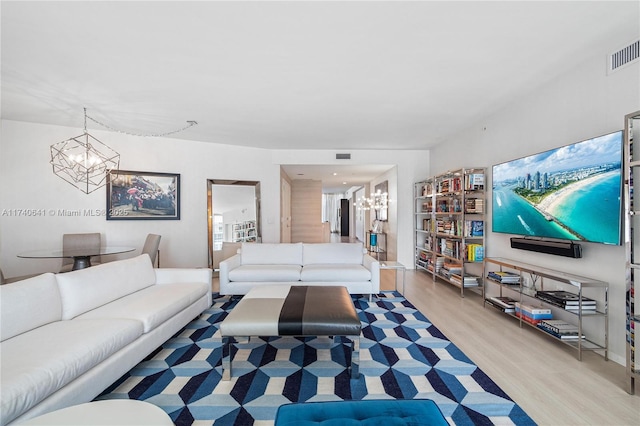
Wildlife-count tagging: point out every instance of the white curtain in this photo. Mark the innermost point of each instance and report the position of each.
(330, 206)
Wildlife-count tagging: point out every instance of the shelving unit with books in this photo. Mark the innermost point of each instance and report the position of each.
(449, 229)
(244, 231)
(631, 238)
(423, 223)
(553, 302)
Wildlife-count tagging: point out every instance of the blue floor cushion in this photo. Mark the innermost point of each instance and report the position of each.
(385, 412)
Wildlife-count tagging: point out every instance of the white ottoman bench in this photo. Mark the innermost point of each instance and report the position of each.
(286, 310)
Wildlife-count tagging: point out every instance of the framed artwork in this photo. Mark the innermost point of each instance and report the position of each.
(135, 195)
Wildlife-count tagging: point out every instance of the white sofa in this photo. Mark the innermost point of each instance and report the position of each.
(345, 264)
(67, 337)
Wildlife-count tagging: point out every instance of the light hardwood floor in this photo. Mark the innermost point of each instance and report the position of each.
(541, 375)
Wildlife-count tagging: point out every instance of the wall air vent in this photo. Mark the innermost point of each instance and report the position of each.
(624, 56)
(343, 156)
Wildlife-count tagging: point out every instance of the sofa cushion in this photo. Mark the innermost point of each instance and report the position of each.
(28, 304)
(36, 364)
(332, 253)
(334, 273)
(153, 305)
(90, 288)
(263, 273)
(271, 254)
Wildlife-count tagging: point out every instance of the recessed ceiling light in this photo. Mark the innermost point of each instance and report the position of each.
(335, 174)
(344, 183)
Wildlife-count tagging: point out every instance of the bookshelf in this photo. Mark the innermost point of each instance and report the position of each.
(527, 288)
(244, 231)
(449, 227)
(631, 238)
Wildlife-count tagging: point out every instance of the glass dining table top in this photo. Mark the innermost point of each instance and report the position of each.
(88, 252)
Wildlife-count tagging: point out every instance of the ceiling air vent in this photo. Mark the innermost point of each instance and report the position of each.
(343, 156)
(624, 56)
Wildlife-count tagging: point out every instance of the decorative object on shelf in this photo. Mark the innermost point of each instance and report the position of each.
(84, 161)
(143, 195)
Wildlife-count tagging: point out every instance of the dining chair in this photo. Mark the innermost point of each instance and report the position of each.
(152, 247)
(9, 280)
(79, 242)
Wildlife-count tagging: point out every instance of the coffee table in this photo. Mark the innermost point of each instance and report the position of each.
(292, 310)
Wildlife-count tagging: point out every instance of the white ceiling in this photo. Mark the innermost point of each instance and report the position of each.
(293, 75)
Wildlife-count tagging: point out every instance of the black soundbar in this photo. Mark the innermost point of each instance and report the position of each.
(556, 247)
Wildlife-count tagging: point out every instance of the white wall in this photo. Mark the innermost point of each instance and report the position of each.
(27, 182)
(576, 106)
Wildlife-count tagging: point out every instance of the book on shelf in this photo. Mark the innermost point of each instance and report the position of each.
(561, 329)
(561, 336)
(468, 281)
(504, 277)
(474, 228)
(474, 205)
(504, 301)
(505, 305)
(474, 181)
(559, 326)
(566, 300)
(532, 312)
(533, 309)
(475, 252)
(527, 319)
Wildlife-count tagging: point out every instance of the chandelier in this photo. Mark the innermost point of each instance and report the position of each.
(84, 161)
(378, 201)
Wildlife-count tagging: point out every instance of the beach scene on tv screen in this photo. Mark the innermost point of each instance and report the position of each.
(572, 192)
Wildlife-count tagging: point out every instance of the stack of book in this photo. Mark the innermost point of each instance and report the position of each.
(435, 266)
(449, 268)
(504, 277)
(532, 314)
(505, 304)
(566, 300)
(560, 329)
(468, 281)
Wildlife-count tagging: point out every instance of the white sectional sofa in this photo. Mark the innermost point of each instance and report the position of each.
(67, 337)
(345, 264)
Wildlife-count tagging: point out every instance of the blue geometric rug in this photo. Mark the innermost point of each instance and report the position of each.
(402, 356)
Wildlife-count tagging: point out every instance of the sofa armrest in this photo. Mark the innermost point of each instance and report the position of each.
(192, 275)
(227, 266)
(374, 267)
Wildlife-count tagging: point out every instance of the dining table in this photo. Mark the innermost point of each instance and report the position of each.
(81, 257)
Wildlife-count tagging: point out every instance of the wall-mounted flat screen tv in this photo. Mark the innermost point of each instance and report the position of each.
(572, 193)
